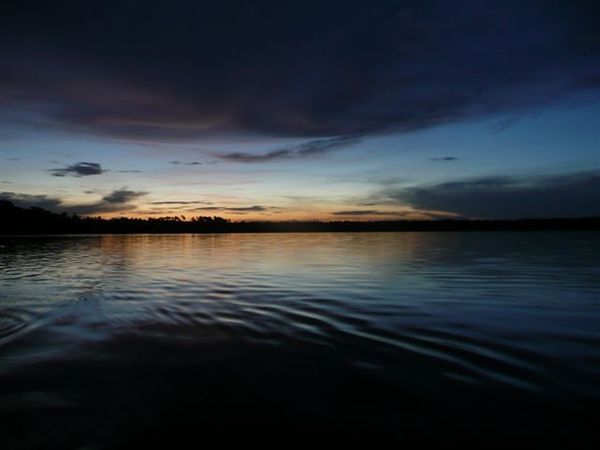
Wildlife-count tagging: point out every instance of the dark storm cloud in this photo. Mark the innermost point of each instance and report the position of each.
(444, 158)
(80, 169)
(314, 147)
(574, 195)
(184, 69)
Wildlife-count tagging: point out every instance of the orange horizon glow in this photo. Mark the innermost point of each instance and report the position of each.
(284, 216)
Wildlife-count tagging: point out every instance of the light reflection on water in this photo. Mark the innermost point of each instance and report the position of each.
(361, 332)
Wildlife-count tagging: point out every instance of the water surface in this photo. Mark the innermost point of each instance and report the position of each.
(152, 340)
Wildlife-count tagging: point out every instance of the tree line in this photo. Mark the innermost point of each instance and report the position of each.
(15, 220)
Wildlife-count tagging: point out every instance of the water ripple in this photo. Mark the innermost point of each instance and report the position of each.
(422, 314)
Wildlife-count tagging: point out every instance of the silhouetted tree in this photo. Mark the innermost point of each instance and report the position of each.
(14, 220)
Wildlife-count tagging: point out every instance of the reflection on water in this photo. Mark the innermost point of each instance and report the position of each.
(107, 341)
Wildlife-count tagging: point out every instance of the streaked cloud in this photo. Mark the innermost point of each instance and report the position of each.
(186, 163)
(237, 209)
(366, 212)
(180, 202)
(310, 148)
(444, 159)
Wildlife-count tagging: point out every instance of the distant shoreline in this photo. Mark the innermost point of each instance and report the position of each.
(166, 233)
(16, 221)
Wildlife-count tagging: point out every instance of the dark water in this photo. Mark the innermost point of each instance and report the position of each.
(164, 340)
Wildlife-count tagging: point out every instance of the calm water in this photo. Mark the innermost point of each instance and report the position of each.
(148, 341)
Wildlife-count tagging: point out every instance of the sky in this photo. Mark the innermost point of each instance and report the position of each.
(328, 110)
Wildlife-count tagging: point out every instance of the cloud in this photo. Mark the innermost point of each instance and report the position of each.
(444, 158)
(31, 201)
(252, 158)
(501, 197)
(313, 147)
(80, 169)
(176, 202)
(83, 169)
(344, 68)
(118, 200)
(191, 163)
(237, 209)
(366, 212)
(122, 196)
(246, 208)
